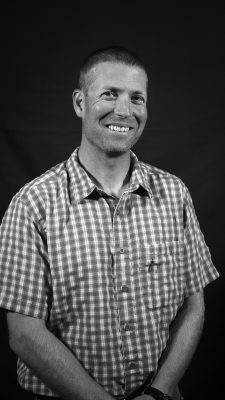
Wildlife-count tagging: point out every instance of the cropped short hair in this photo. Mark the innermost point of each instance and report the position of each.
(118, 54)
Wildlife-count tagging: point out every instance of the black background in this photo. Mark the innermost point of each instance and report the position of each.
(183, 49)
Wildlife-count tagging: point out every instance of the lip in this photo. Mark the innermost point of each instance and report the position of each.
(119, 125)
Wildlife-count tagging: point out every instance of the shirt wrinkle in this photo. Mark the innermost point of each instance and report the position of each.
(108, 275)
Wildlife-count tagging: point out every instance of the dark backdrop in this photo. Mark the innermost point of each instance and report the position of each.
(183, 48)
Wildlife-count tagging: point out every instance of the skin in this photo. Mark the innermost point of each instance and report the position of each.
(55, 365)
(184, 337)
(117, 95)
(51, 360)
(106, 156)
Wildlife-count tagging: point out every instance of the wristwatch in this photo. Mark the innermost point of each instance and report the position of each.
(156, 393)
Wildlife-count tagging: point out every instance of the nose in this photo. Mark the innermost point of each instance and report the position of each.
(122, 107)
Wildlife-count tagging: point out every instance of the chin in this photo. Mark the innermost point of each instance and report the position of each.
(116, 151)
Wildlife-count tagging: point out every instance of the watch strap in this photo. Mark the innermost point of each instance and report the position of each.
(156, 393)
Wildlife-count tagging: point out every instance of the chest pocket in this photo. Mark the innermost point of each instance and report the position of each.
(161, 273)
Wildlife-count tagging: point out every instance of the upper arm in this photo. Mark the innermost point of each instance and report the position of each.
(199, 270)
(195, 303)
(21, 326)
(25, 276)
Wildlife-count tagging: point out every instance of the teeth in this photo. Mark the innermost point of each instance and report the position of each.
(118, 128)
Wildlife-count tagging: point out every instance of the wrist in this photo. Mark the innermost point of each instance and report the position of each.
(156, 393)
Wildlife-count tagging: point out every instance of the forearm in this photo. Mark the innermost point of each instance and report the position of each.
(184, 336)
(55, 364)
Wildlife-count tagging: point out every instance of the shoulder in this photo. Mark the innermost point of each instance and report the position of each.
(160, 180)
(37, 194)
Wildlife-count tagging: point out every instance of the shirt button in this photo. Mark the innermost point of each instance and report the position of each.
(121, 251)
(125, 289)
(132, 365)
(127, 327)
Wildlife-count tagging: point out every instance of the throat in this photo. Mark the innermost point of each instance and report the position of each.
(116, 192)
(110, 174)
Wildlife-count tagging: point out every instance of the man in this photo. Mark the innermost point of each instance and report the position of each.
(103, 263)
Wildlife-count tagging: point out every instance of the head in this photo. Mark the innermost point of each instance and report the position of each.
(111, 99)
(115, 54)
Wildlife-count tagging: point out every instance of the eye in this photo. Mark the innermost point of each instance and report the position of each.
(138, 99)
(109, 95)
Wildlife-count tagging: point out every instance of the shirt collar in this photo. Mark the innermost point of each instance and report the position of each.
(81, 185)
(139, 176)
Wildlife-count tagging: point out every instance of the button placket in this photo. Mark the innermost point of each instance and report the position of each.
(125, 289)
(127, 327)
(132, 365)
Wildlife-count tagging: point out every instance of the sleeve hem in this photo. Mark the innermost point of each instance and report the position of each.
(30, 313)
(198, 288)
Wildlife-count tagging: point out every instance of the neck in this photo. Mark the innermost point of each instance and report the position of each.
(112, 174)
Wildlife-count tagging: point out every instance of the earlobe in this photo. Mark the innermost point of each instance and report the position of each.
(78, 102)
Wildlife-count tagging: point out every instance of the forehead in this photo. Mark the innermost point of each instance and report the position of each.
(117, 74)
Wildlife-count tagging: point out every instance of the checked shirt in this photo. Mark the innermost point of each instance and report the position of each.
(107, 277)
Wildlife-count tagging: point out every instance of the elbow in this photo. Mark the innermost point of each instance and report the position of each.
(24, 331)
(18, 332)
(13, 344)
(17, 341)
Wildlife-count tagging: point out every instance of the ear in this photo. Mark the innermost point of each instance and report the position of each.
(78, 102)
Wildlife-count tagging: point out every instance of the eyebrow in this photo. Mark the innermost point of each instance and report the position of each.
(115, 88)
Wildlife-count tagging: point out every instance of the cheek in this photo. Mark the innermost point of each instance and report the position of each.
(144, 112)
(99, 109)
(142, 115)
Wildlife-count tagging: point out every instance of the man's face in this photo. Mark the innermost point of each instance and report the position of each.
(114, 109)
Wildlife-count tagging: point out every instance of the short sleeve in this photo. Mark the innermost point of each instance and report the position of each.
(24, 268)
(199, 270)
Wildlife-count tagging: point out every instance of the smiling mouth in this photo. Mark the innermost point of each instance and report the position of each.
(118, 128)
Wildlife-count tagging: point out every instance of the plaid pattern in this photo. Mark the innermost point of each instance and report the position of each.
(107, 281)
